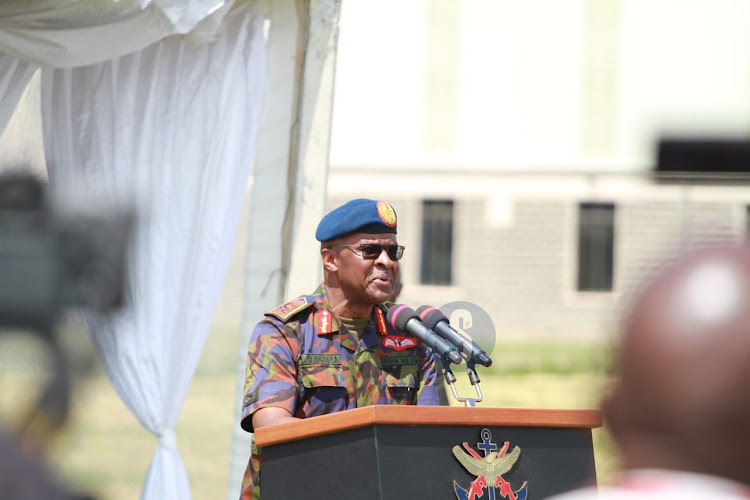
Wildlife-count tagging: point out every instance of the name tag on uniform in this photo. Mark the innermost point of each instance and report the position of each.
(319, 359)
(399, 360)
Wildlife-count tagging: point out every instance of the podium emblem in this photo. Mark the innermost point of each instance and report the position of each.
(488, 470)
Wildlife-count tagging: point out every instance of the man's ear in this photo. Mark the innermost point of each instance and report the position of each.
(330, 263)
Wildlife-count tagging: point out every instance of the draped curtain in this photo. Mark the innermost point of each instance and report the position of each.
(166, 125)
(14, 76)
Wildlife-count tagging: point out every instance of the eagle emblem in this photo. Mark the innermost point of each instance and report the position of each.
(488, 470)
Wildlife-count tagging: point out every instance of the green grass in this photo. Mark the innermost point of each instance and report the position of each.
(551, 357)
(105, 451)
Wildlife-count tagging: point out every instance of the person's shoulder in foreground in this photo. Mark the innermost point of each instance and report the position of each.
(680, 407)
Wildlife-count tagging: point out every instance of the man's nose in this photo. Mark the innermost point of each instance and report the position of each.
(384, 259)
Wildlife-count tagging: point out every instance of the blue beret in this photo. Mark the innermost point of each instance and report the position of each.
(357, 216)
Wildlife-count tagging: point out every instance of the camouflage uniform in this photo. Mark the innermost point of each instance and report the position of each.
(302, 359)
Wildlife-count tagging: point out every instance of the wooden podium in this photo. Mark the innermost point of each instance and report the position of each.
(428, 452)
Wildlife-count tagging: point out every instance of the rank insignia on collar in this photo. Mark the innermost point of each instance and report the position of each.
(380, 320)
(488, 470)
(324, 322)
(398, 343)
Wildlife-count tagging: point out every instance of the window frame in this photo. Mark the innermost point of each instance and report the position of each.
(436, 269)
(591, 237)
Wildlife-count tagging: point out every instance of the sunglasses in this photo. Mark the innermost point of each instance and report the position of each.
(372, 251)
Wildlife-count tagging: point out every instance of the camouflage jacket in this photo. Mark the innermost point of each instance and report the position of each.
(302, 359)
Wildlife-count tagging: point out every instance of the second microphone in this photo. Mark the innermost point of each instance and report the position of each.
(405, 319)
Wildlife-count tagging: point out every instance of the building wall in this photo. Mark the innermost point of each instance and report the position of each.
(515, 255)
(536, 84)
(519, 111)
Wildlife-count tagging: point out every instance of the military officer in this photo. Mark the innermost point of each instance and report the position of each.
(333, 350)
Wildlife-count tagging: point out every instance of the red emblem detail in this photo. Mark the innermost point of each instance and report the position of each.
(398, 343)
(323, 322)
(380, 319)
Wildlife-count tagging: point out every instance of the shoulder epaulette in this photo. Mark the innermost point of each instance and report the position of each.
(284, 312)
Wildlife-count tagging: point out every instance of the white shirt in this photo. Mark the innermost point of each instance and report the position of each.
(662, 485)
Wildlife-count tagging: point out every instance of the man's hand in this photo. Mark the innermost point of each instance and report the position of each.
(271, 416)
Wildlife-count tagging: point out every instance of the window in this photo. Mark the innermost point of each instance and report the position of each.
(437, 242)
(596, 238)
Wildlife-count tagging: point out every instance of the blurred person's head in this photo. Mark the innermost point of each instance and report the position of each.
(682, 400)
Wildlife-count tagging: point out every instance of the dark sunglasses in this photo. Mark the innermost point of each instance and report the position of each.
(372, 251)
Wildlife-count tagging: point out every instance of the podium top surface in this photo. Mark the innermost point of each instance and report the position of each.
(425, 415)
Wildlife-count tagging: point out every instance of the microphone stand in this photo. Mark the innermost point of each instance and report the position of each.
(473, 378)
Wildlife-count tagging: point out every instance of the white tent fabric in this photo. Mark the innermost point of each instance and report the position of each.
(14, 76)
(169, 129)
(66, 33)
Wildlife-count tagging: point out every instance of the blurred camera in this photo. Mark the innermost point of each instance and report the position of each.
(53, 257)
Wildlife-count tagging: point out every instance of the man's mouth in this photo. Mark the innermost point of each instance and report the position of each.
(381, 280)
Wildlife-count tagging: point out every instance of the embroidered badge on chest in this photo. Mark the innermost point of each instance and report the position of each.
(398, 343)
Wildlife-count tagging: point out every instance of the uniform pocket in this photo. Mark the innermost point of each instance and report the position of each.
(314, 376)
(324, 388)
(402, 384)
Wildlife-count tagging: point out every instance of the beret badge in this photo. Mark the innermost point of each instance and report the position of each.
(387, 214)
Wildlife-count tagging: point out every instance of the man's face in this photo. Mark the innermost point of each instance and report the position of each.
(365, 281)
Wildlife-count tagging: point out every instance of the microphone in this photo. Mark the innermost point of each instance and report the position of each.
(405, 319)
(435, 320)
